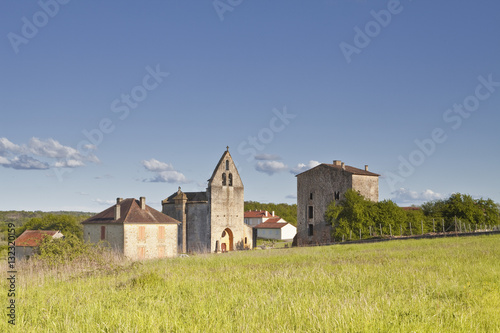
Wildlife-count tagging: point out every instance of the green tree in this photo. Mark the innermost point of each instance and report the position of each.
(388, 215)
(68, 225)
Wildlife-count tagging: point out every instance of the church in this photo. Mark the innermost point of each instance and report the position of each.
(212, 221)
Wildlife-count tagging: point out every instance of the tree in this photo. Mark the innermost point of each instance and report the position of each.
(68, 225)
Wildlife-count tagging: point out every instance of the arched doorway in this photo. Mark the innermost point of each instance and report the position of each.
(226, 240)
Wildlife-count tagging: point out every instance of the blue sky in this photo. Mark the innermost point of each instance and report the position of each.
(135, 98)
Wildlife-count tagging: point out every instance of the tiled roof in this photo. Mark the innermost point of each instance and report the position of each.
(191, 196)
(270, 225)
(33, 237)
(347, 168)
(410, 208)
(274, 219)
(259, 213)
(131, 212)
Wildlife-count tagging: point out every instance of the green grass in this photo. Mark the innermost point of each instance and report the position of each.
(437, 285)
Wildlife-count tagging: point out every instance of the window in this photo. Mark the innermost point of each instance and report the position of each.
(310, 212)
(223, 179)
(103, 232)
(141, 252)
(161, 251)
(245, 241)
(310, 230)
(310, 196)
(161, 232)
(227, 165)
(230, 179)
(141, 235)
(337, 195)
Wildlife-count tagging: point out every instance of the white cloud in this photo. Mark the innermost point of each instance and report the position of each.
(301, 167)
(267, 157)
(4, 160)
(291, 196)
(105, 202)
(404, 195)
(270, 167)
(165, 172)
(18, 156)
(25, 162)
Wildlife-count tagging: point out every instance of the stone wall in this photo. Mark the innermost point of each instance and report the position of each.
(367, 186)
(113, 235)
(198, 227)
(151, 245)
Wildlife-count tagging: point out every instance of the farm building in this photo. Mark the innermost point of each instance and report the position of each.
(29, 241)
(321, 185)
(212, 221)
(277, 229)
(255, 217)
(134, 229)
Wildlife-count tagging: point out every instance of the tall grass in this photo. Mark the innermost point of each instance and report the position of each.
(439, 285)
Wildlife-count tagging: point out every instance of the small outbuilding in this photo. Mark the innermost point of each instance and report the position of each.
(277, 229)
(28, 242)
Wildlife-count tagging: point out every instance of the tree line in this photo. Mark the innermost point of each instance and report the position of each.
(356, 217)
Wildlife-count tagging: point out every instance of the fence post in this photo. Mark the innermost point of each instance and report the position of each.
(422, 224)
(411, 231)
(390, 230)
(442, 222)
(371, 231)
(381, 234)
(455, 224)
(360, 234)
(400, 230)
(433, 226)
(350, 237)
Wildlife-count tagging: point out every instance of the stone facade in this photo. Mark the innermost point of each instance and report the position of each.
(318, 187)
(134, 229)
(213, 221)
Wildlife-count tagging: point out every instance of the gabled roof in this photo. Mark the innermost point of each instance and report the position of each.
(131, 212)
(221, 160)
(191, 196)
(274, 219)
(258, 213)
(34, 237)
(270, 225)
(347, 168)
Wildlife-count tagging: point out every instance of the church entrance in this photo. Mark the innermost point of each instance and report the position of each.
(226, 241)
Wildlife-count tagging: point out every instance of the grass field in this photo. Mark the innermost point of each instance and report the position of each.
(437, 285)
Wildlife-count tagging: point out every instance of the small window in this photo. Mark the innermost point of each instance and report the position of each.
(310, 212)
(230, 179)
(223, 179)
(161, 232)
(103, 232)
(310, 230)
(337, 195)
(141, 252)
(310, 196)
(227, 165)
(141, 235)
(245, 241)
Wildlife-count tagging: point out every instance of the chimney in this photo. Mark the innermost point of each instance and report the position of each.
(337, 162)
(118, 208)
(273, 212)
(343, 166)
(266, 212)
(142, 201)
(366, 167)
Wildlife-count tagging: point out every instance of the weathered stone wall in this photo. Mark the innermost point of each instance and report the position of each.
(198, 227)
(114, 235)
(322, 182)
(367, 186)
(153, 246)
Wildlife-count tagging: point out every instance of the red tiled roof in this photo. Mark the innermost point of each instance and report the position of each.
(33, 237)
(131, 212)
(274, 219)
(270, 225)
(410, 208)
(259, 213)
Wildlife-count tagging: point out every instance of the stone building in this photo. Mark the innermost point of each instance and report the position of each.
(318, 187)
(134, 229)
(212, 221)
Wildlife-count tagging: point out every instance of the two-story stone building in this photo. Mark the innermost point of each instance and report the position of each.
(318, 187)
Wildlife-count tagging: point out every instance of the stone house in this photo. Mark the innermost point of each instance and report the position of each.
(28, 242)
(321, 185)
(212, 221)
(134, 229)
